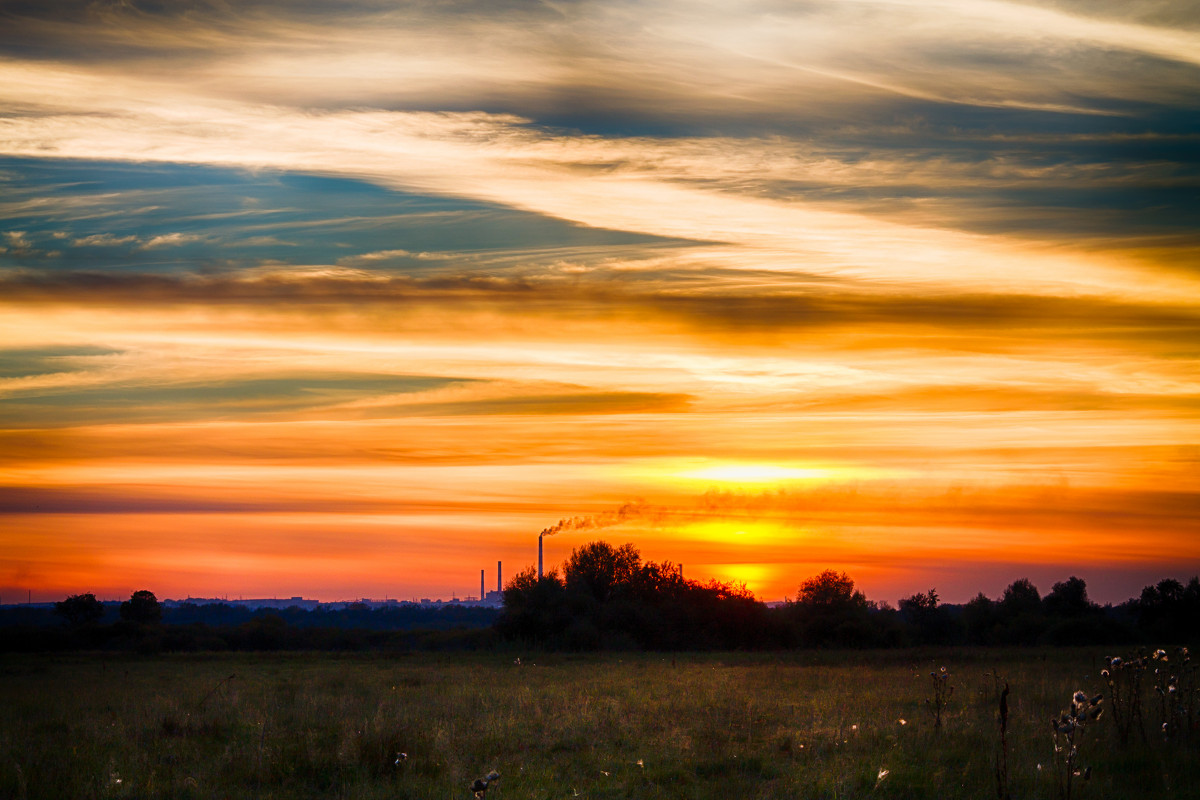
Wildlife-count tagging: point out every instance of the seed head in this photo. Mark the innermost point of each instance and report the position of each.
(480, 785)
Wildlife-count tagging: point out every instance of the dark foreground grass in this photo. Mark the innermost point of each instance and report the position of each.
(808, 725)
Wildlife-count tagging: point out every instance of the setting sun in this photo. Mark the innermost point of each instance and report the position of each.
(752, 576)
(759, 473)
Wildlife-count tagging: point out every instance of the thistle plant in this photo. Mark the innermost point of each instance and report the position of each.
(1174, 683)
(480, 785)
(1186, 688)
(1165, 687)
(1068, 729)
(1124, 679)
(942, 691)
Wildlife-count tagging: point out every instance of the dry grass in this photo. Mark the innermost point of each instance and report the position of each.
(814, 725)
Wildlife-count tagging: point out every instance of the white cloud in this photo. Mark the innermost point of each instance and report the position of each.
(104, 240)
(169, 240)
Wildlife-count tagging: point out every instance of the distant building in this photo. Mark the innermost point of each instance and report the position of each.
(252, 603)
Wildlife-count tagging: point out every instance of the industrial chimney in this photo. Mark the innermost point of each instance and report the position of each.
(540, 555)
(499, 582)
(481, 585)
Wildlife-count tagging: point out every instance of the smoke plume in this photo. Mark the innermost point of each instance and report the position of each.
(627, 512)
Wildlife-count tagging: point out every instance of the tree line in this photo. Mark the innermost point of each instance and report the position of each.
(607, 597)
(143, 624)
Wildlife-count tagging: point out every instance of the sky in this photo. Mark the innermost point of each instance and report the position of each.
(354, 299)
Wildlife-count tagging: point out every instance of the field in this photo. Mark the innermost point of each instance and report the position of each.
(802, 725)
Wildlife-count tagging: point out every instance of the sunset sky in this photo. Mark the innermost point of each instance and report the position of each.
(353, 299)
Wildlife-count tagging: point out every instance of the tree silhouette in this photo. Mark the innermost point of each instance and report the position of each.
(1069, 598)
(1020, 618)
(830, 590)
(931, 624)
(829, 610)
(142, 607)
(920, 603)
(1169, 608)
(609, 598)
(535, 608)
(80, 610)
(1021, 597)
(979, 619)
(601, 570)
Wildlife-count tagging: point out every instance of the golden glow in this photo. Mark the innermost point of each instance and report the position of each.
(755, 577)
(757, 473)
(739, 530)
(697, 475)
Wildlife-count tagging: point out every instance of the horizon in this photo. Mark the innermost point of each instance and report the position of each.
(116, 596)
(362, 298)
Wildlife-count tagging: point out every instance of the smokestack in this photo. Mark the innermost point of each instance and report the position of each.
(480, 584)
(499, 583)
(540, 555)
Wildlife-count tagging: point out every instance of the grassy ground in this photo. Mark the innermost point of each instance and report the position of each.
(806, 725)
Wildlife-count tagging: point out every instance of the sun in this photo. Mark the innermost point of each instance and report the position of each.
(756, 473)
(754, 576)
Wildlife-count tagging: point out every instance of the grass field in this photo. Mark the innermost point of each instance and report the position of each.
(795, 725)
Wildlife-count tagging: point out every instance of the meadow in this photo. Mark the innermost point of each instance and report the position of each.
(805, 724)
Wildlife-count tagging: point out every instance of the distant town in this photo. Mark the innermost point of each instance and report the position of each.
(492, 599)
(485, 599)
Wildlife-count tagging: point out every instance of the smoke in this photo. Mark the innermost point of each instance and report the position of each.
(626, 513)
(780, 505)
(883, 503)
(711, 505)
